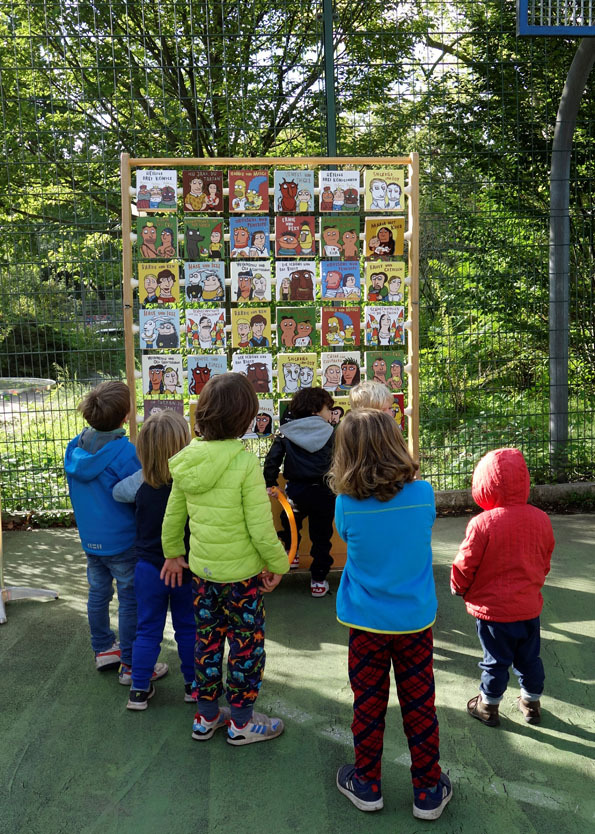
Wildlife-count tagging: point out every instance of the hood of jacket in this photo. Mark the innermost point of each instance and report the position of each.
(198, 467)
(501, 479)
(309, 433)
(85, 465)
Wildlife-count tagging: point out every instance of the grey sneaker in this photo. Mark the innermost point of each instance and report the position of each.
(259, 728)
(125, 676)
(203, 729)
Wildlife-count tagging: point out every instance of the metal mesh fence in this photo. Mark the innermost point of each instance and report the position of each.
(82, 82)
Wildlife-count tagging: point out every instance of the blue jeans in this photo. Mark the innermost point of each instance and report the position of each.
(153, 597)
(510, 644)
(101, 572)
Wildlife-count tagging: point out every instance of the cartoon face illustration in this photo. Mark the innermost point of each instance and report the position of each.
(196, 186)
(260, 285)
(204, 326)
(200, 377)
(149, 235)
(259, 240)
(241, 237)
(167, 237)
(245, 284)
(243, 330)
(351, 197)
(258, 324)
(301, 285)
(258, 375)
(167, 334)
(291, 375)
(168, 195)
(394, 285)
(332, 376)
(378, 192)
(306, 238)
(333, 280)
(148, 333)
(304, 198)
(349, 373)
(384, 235)
(156, 379)
(170, 380)
(304, 328)
(288, 331)
(394, 194)
(239, 189)
(263, 424)
(211, 283)
(377, 280)
(331, 236)
(379, 368)
(166, 280)
(336, 413)
(288, 193)
(306, 376)
(150, 283)
(288, 240)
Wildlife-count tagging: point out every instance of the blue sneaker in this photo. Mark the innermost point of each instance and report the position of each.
(203, 729)
(365, 795)
(429, 804)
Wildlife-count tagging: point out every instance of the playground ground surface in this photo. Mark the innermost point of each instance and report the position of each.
(74, 760)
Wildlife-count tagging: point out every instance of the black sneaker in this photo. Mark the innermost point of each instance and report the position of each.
(188, 696)
(429, 804)
(365, 795)
(139, 698)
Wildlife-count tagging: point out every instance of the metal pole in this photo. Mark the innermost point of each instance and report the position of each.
(329, 77)
(559, 245)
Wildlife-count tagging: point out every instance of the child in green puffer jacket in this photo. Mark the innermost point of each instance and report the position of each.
(235, 556)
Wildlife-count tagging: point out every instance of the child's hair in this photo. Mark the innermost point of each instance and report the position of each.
(162, 436)
(370, 394)
(107, 406)
(370, 456)
(227, 406)
(309, 401)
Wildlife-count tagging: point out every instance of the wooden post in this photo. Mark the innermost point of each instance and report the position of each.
(413, 310)
(127, 298)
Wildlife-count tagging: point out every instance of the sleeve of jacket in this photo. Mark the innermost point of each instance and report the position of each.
(469, 557)
(174, 524)
(340, 517)
(274, 461)
(259, 519)
(126, 489)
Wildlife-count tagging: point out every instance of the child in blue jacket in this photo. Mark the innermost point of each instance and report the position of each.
(95, 460)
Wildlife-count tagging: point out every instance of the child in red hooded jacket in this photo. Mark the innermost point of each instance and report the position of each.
(500, 570)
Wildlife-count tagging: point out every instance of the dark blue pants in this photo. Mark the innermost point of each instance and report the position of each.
(153, 598)
(510, 644)
(317, 504)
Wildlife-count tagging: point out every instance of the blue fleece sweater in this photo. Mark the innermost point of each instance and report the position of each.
(94, 463)
(387, 585)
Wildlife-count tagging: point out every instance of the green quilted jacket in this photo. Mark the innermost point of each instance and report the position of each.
(218, 485)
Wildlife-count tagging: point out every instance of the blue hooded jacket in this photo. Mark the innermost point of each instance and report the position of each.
(94, 463)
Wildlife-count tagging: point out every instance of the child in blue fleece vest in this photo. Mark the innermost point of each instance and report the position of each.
(387, 600)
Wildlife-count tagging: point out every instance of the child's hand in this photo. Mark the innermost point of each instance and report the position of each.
(271, 490)
(171, 572)
(269, 580)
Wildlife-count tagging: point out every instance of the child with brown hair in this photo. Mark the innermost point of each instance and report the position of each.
(235, 555)
(162, 435)
(95, 460)
(387, 599)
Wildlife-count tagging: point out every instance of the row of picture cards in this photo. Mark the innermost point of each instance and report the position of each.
(294, 191)
(252, 281)
(157, 238)
(251, 327)
(340, 371)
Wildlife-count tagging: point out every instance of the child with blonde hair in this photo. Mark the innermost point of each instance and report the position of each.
(162, 435)
(388, 601)
(235, 555)
(370, 394)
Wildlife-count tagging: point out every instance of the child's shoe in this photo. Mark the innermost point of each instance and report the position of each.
(139, 698)
(108, 659)
(203, 729)
(259, 728)
(188, 696)
(125, 676)
(295, 562)
(319, 589)
(530, 709)
(486, 713)
(366, 796)
(429, 804)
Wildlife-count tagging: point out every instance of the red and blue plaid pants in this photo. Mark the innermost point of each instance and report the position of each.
(370, 659)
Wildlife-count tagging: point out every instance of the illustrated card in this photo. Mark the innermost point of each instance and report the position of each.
(263, 422)
(158, 283)
(151, 407)
(338, 190)
(204, 281)
(340, 279)
(159, 328)
(258, 367)
(387, 367)
(295, 280)
(384, 237)
(339, 237)
(249, 237)
(398, 409)
(340, 327)
(384, 326)
(162, 374)
(294, 191)
(202, 368)
(284, 406)
(296, 327)
(156, 238)
(341, 370)
(385, 281)
(249, 191)
(251, 327)
(295, 237)
(339, 410)
(250, 281)
(203, 190)
(156, 190)
(383, 190)
(205, 328)
(296, 371)
(203, 238)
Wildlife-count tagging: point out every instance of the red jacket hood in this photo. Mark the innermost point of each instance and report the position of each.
(501, 479)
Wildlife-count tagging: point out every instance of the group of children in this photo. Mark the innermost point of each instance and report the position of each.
(187, 524)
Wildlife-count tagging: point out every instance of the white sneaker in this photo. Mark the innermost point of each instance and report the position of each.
(108, 659)
(125, 676)
(295, 562)
(259, 728)
(319, 589)
(203, 729)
